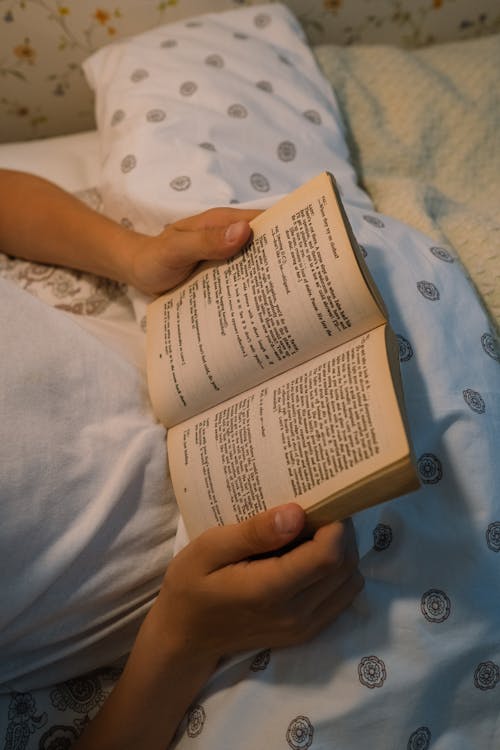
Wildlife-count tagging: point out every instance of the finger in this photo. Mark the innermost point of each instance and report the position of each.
(215, 217)
(262, 533)
(212, 235)
(187, 248)
(332, 547)
(305, 622)
(311, 597)
(330, 608)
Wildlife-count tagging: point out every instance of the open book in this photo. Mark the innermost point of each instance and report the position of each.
(277, 374)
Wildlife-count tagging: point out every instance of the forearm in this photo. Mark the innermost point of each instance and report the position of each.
(43, 223)
(159, 683)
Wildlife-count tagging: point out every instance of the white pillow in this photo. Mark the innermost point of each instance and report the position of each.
(223, 109)
(88, 514)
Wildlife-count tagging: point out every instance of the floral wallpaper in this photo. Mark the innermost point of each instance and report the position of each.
(42, 43)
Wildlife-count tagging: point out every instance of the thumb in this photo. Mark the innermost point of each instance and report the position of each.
(262, 533)
(205, 243)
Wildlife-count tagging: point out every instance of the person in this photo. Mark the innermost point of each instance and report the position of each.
(234, 588)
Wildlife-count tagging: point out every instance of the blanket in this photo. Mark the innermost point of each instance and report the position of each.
(82, 471)
(423, 131)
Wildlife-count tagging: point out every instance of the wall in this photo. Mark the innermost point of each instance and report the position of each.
(42, 43)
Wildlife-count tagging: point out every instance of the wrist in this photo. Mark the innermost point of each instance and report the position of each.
(174, 650)
(123, 248)
(161, 680)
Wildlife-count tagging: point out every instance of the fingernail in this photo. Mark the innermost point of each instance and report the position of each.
(287, 520)
(234, 232)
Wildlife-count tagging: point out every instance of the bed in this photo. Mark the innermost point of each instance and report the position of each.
(237, 108)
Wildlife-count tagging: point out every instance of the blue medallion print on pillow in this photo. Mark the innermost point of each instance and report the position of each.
(195, 721)
(300, 733)
(259, 182)
(372, 672)
(262, 20)
(493, 536)
(490, 346)
(429, 468)
(486, 675)
(474, 400)
(286, 150)
(238, 111)
(382, 537)
(266, 86)
(428, 290)
(117, 117)
(188, 88)
(420, 739)
(128, 163)
(375, 221)
(405, 349)
(442, 254)
(138, 75)
(313, 116)
(215, 61)
(261, 660)
(182, 182)
(155, 115)
(435, 606)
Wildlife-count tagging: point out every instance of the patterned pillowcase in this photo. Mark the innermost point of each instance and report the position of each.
(222, 109)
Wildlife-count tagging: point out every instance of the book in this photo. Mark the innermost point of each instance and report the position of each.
(276, 374)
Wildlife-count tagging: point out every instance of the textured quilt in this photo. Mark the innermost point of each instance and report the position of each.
(424, 132)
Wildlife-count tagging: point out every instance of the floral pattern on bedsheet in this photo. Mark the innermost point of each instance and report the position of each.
(73, 291)
(54, 719)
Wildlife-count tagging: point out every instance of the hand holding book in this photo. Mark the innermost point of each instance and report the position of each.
(219, 597)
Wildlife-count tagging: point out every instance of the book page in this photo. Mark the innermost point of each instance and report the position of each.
(295, 291)
(302, 436)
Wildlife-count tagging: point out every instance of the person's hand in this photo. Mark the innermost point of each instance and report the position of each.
(156, 264)
(221, 596)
